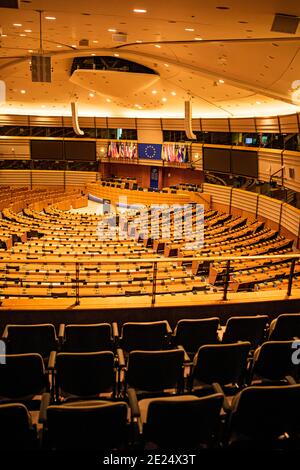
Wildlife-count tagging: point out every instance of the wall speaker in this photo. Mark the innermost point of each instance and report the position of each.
(285, 23)
(40, 68)
(119, 37)
(84, 42)
(9, 4)
(292, 173)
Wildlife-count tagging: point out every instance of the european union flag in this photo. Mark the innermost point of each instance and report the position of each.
(149, 151)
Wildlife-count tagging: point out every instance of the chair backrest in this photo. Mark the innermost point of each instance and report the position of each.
(144, 336)
(93, 425)
(85, 374)
(250, 328)
(222, 363)
(273, 360)
(285, 327)
(16, 430)
(88, 338)
(155, 370)
(183, 421)
(40, 339)
(22, 375)
(192, 334)
(266, 412)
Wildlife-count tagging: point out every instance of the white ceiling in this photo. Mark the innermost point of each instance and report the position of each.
(258, 75)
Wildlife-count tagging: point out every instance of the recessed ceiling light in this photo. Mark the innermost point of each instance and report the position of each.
(138, 41)
(59, 45)
(221, 81)
(173, 93)
(108, 100)
(30, 50)
(93, 54)
(91, 95)
(73, 45)
(139, 10)
(164, 99)
(23, 92)
(158, 46)
(112, 30)
(50, 18)
(4, 35)
(28, 30)
(22, 35)
(95, 41)
(17, 25)
(154, 92)
(258, 102)
(43, 106)
(189, 29)
(116, 55)
(166, 65)
(197, 39)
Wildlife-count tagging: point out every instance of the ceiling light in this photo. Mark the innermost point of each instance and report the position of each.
(221, 81)
(258, 102)
(158, 46)
(43, 106)
(73, 45)
(139, 10)
(116, 55)
(59, 45)
(154, 92)
(197, 39)
(23, 92)
(22, 35)
(138, 41)
(189, 29)
(164, 99)
(173, 93)
(93, 54)
(4, 35)
(17, 24)
(28, 30)
(50, 17)
(166, 65)
(108, 100)
(30, 50)
(91, 95)
(111, 30)
(95, 42)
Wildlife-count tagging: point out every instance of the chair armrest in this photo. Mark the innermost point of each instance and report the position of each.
(218, 389)
(61, 332)
(169, 329)
(187, 359)
(115, 331)
(52, 360)
(290, 380)
(133, 403)
(121, 358)
(5, 333)
(43, 408)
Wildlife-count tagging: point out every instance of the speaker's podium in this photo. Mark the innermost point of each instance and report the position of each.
(41, 68)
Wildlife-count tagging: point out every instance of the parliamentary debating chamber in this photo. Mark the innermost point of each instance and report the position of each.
(149, 228)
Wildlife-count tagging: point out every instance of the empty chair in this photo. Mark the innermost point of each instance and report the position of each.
(272, 361)
(221, 363)
(84, 374)
(17, 432)
(155, 371)
(145, 336)
(86, 425)
(261, 415)
(191, 334)
(250, 328)
(40, 339)
(285, 327)
(181, 422)
(22, 377)
(87, 338)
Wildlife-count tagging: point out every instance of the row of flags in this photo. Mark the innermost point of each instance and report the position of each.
(170, 152)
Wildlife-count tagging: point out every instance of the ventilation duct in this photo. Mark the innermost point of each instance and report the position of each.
(75, 123)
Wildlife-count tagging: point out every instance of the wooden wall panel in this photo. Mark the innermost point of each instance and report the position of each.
(172, 124)
(244, 200)
(215, 125)
(291, 161)
(46, 121)
(121, 123)
(267, 124)
(290, 219)
(289, 124)
(14, 120)
(15, 177)
(269, 161)
(220, 194)
(242, 125)
(269, 209)
(148, 124)
(14, 149)
(80, 178)
(47, 178)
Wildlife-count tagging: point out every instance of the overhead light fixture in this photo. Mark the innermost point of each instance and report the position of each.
(50, 18)
(112, 30)
(197, 39)
(28, 30)
(138, 41)
(95, 41)
(173, 93)
(91, 95)
(73, 45)
(189, 29)
(93, 54)
(139, 10)
(164, 99)
(258, 102)
(17, 25)
(116, 55)
(166, 65)
(108, 100)
(23, 92)
(154, 92)
(23, 35)
(4, 35)
(59, 45)
(43, 106)
(221, 81)
(158, 46)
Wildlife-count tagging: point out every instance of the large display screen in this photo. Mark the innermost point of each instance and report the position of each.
(47, 150)
(244, 163)
(215, 159)
(78, 150)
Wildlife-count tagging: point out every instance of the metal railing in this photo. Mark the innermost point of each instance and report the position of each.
(155, 262)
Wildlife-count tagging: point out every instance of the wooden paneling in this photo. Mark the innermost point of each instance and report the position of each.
(80, 178)
(47, 178)
(14, 149)
(267, 124)
(290, 219)
(215, 125)
(15, 177)
(14, 120)
(121, 123)
(269, 209)
(289, 124)
(148, 124)
(172, 124)
(244, 200)
(242, 125)
(101, 122)
(46, 121)
(220, 194)
(291, 160)
(269, 162)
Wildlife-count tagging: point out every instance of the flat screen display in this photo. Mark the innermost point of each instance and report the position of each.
(244, 163)
(47, 149)
(76, 150)
(216, 159)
